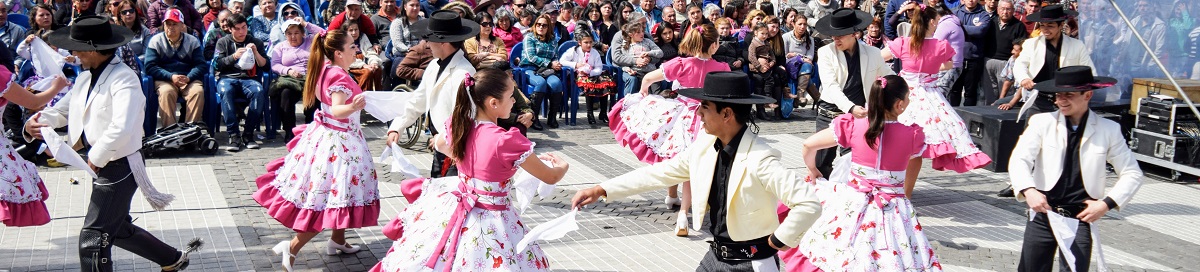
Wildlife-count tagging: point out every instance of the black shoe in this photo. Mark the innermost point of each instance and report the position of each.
(249, 141)
(537, 125)
(235, 144)
(591, 119)
(1006, 192)
(552, 123)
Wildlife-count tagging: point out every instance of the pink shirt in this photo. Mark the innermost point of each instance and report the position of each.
(689, 72)
(933, 53)
(899, 142)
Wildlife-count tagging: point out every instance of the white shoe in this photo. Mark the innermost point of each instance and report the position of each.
(672, 201)
(332, 248)
(284, 248)
(681, 223)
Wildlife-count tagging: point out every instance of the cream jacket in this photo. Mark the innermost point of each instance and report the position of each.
(436, 95)
(111, 116)
(1037, 160)
(757, 183)
(831, 64)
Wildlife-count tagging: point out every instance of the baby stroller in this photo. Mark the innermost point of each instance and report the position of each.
(180, 137)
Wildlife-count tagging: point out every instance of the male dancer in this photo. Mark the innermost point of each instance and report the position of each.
(1058, 167)
(444, 32)
(104, 113)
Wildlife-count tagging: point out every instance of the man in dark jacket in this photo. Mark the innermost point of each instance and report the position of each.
(975, 23)
(1004, 29)
(233, 81)
(175, 61)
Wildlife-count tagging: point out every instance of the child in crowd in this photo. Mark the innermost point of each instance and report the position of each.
(590, 78)
(1010, 100)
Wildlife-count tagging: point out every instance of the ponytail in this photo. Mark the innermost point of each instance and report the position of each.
(886, 91)
(322, 48)
(920, 27)
(697, 39)
(474, 91)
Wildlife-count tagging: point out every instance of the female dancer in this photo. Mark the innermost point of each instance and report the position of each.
(656, 128)
(22, 194)
(922, 56)
(867, 222)
(340, 191)
(469, 215)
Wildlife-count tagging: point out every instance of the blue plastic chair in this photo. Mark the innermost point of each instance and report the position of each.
(19, 19)
(519, 72)
(570, 89)
(212, 98)
(617, 75)
(318, 14)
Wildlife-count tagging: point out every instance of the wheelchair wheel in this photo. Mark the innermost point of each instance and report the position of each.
(412, 134)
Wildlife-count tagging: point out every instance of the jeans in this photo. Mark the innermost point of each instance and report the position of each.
(633, 84)
(540, 83)
(228, 89)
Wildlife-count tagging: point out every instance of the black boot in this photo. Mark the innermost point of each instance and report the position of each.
(591, 103)
(604, 111)
(555, 105)
(1006, 192)
(536, 104)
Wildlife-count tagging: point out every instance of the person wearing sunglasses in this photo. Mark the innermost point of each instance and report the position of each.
(486, 48)
(287, 11)
(130, 17)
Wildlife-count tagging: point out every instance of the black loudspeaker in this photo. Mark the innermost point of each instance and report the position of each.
(994, 131)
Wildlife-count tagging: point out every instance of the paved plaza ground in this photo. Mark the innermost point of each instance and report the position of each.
(971, 229)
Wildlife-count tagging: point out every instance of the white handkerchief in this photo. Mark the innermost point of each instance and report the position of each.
(63, 152)
(526, 186)
(247, 60)
(386, 105)
(399, 163)
(1065, 229)
(554, 229)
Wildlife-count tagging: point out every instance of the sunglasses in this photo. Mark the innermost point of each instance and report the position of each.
(128, 12)
(291, 13)
(486, 24)
(539, 25)
(520, 5)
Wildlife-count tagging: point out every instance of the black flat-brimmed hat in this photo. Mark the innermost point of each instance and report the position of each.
(1074, 79)
(445, 26)
(726, 87)
(843, 21)
(90, 33)
(1053, 13)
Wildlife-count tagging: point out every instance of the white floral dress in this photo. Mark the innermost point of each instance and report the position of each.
(22, 194)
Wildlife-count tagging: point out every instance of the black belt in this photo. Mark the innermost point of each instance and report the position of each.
(827, 109)
(756, 249)
(1067, 211)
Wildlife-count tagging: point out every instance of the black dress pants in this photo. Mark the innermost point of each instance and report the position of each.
(1039, 248)
(108, 223)
(826, 156)
(966, 88)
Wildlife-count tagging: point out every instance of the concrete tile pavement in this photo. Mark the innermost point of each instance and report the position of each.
(971, 229)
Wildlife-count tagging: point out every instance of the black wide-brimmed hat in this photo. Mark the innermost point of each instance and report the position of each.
(726, 87)
(445, 26)
(90, 33)
(1074, 79)
(1053, 13)
(843, 21)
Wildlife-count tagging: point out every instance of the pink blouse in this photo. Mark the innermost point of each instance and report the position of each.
(689, 72)
(899, 142)
(933, 53)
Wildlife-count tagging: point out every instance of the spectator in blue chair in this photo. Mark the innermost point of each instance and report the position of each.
(130, 16)
(287, 11)
(589, 68)
(542, 67)
(10, 33)
(635, 55)
(485, 49)
(233, 82)
(506, 31)
(176, 63)
(289, 59)
(400, 29)
(261, 25)
(219, 30)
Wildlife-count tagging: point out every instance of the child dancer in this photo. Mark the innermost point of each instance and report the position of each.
(591, 78)
(465, 223)
(950, 147)
(656, 128)
(22, 194)
(867, 222)
(329, 181)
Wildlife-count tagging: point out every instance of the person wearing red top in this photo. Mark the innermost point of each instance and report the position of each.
(354, 9)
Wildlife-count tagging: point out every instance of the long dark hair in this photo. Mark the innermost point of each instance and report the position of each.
(488, 82)
(920, 27)
(479, 18)
(33, 26)
(322, 48)
(880, 103)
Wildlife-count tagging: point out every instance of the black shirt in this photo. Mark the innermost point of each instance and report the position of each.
(1045, 101)
(442, 63)
(720, 184)
(854, 87)
(1003, 37)
(96, 72)
(1069, 190)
